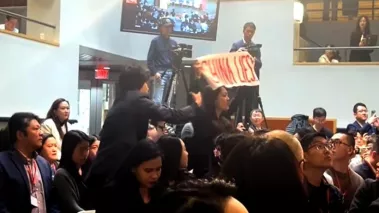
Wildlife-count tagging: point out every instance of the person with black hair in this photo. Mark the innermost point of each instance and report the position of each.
(367, 170)
(69, 187)
(342, 176)
(362, 123)
(94, 144)
(247, 93)
(10, 24)
(175, 161)
(319, 119)
(56, 122)
(194, 196)
(360, 38)
(25, 177)
(266, 168)
(135, 187)
(256, 120)
(127, 123)
(323, 197)
(207, 126)
(49, 151)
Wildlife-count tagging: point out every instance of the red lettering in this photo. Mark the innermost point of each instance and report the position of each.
(243, 68)
(212, 71)
(237, 68)
(229, 70)
(225, 70)
(250, 63)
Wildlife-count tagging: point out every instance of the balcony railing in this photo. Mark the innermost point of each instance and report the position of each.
(314, 53)
(35, 30)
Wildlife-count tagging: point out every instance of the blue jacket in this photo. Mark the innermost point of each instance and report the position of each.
(14, 184)
(160, 57)
(356, 127)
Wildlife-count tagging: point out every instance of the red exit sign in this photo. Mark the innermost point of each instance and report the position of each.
(102, 73)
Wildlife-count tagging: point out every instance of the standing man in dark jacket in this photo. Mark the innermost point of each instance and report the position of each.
(160, 60)
(249, 94)
(127, 123)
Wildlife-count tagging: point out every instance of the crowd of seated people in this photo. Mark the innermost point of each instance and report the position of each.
(49, 166)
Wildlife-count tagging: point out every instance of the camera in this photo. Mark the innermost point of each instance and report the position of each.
(253, 49)
(183, 51)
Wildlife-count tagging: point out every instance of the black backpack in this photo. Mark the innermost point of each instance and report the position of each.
(298, 121)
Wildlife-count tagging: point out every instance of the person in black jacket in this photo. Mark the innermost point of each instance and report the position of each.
(127, 123)
(360, 38)
(366, 197)
(69, 187)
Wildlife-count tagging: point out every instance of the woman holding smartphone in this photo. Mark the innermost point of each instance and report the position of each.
(360, 38)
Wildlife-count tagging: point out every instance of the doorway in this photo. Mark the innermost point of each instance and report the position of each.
(95, 98)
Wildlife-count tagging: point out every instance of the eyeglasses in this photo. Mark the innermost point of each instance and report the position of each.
(163, 128)
(322, 146)
(337, 142)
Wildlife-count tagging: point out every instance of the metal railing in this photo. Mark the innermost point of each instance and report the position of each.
(345, 49)
(26, 18)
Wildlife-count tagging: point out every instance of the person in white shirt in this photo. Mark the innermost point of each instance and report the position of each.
(10, 24)
(328, 56)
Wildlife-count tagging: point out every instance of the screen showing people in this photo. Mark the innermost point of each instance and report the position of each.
(191, 18)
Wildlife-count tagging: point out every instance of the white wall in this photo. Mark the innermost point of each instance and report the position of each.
(33, 75)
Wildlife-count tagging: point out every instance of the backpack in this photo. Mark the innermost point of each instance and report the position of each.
(298, 121)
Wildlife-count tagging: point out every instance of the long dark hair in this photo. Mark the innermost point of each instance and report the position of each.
(172, 151)
(144, 150)
(262, 169)
(70, 140)
(44, 139)
(51, 114)
(209, 97)
(367, 30)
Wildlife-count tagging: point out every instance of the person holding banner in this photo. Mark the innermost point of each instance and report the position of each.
(160, 60)
(247, 93)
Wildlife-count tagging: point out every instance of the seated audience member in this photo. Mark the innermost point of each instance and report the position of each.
(49, 151)
(56, 122)
(256, 119)
(187, 131)
(329, 56)
(175, 161)
(195, 196)
(152, 133)
(367, 197)
(94, 144)
(362, 123)
(300, 133)
(69, 187)
(343, 177)
(224, 145)
(368, 168)
(161, 127)
(319, 119)
(263, 167)
(322, 196)
(10, 24)
(127, 123)
(363, 146)
(25, 177)
(135, 187)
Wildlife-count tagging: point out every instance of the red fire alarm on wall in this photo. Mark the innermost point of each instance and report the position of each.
(102, 72)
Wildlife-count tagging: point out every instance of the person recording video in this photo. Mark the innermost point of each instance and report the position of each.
(160, 60)
(249, 94)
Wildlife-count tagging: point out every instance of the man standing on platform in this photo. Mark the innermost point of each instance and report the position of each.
(249, 94)
(160, 61)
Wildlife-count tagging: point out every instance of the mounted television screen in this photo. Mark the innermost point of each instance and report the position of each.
(192, 18)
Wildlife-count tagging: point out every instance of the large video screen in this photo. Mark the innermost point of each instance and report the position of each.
(192, 18)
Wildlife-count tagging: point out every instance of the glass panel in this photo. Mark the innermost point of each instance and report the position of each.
(332, 31)
(109, 91)
(84, 105)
